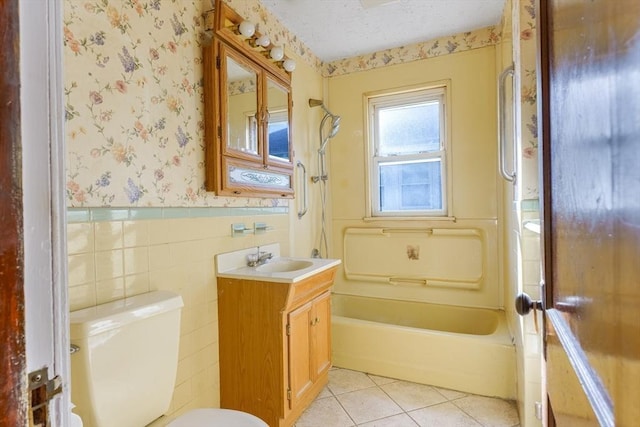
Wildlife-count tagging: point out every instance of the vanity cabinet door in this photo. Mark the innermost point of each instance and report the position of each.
(300, 343)
(278, 120)
(321, 334)
(241, 111)
(309, 343)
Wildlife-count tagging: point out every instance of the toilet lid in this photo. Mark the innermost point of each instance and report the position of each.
(217, 417)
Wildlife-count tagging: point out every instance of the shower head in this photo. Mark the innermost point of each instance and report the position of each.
(335, 123)
(335, 126)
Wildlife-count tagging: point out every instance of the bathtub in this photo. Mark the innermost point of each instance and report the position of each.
(459, 348)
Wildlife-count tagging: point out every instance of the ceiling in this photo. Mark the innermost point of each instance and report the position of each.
(336, 29)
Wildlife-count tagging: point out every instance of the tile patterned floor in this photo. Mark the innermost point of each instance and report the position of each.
(357, 399)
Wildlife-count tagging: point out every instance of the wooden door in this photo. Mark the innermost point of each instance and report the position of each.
(13, 407)
(590, 79)
(33, 307)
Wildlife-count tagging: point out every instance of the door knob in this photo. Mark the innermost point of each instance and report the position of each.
(524, 304)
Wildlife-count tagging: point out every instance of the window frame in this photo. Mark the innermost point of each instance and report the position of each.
(373, 102)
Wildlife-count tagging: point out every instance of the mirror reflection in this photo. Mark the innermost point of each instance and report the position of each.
(278, 121)
(242, 104)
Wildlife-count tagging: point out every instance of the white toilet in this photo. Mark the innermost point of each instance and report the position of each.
(125, 371)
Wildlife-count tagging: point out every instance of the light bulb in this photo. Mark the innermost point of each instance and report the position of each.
(289, 64)
(247, 28)
(263, 41)
(276, 53)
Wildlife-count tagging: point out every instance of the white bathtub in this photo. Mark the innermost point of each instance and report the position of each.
(466, 349)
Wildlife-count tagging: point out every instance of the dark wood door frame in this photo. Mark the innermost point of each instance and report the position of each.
(13, 387)
(542, 14)
(542, 22)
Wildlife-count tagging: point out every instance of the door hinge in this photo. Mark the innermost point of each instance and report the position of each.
(288, 329)
(218, 62)
(41, 391)
(288, 394)
(538, 408)
(219, 131)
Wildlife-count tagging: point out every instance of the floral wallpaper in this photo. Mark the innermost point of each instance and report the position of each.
(134, 106)
(442, 46)
(528, 98)
(280, 35)
(267, 23)
(241, 86)
(134, 97)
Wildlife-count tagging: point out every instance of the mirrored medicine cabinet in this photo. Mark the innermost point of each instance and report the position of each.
(248, 151)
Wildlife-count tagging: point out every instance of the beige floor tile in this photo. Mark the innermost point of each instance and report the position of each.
(345, 381)
(450, 394)
(381, 380)
(489, 412)
(368, 405)
(412, 396)
(325, 392)
(324, 413)
(356, 398)
(444, 414)
(400, 420)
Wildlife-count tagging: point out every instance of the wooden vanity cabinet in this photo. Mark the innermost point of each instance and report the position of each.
(275, 345)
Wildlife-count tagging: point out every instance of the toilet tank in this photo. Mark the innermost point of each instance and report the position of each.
(125, 371)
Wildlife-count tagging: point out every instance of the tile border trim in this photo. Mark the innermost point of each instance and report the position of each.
(76, 215)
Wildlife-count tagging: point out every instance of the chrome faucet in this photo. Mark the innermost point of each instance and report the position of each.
(259, 258)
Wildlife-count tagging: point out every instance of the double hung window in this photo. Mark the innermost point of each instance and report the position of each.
(408, 146)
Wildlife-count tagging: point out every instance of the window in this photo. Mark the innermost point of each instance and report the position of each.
(408, 153)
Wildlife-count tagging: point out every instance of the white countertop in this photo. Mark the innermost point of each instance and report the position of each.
(251, 273)
(233, 265)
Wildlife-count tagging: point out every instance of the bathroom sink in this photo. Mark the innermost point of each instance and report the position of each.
(284, 265)
(233, 265)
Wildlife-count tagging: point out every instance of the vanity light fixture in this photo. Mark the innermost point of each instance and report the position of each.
(263, 41)
(247, 28)
(289, 64)
(249, 31)
(276, 53)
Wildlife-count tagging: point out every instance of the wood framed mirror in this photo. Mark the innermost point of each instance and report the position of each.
(248, 145)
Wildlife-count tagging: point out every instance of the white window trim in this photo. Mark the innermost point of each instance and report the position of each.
(441, 88)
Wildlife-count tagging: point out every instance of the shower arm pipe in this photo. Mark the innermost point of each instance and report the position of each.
(304, 209)
(320, 103)
(333, 116)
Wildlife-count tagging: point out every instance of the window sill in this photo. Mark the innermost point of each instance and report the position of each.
(409, 218)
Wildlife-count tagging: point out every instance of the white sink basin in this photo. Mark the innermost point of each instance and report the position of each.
(279, 269)
(281, 266)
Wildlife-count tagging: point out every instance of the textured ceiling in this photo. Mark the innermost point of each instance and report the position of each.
(336, 29)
